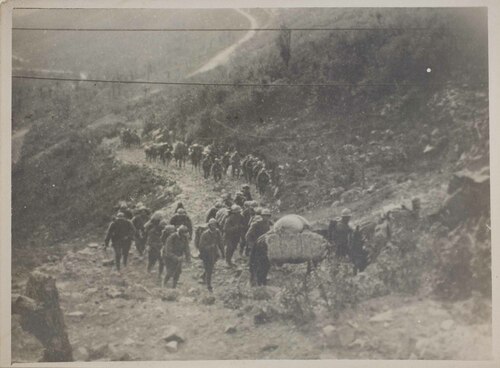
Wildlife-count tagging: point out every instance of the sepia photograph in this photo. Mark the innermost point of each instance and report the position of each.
(250, 183)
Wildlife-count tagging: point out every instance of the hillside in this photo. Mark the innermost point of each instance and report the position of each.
(394, 93)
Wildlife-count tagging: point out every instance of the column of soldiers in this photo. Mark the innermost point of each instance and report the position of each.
(232, 224)
(215, 162)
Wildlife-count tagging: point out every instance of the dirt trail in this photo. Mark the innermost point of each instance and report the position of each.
(126, 310)
(113, 316)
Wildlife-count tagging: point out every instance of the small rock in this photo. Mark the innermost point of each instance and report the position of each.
(108, 262)
(98, 352)
(123, 357)
(193, 291)
(86, 252)
(346, 335)
(329, 331)
(187, 299)
(93, 245)
(170, 296)
(269, 347)
(81, 354)
(230, 329)
(76, 314)
(261, 317)
(115, 294)
(90, 291)
(382, 317)
(208, 300)
(173, 334)
(447, 325)
(261, 294)
(172, 346)
(128, 341)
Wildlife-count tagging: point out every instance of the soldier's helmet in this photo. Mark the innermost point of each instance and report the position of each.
(183, 229)
(120, 215)
(181, 211)
(346, 212)
(212, 221)
(247, 204)
(266, 212)
(245, 187)
(235, 208)
(258, 210)
(163, 223)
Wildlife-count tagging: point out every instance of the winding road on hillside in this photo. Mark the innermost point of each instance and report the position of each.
(224, 56)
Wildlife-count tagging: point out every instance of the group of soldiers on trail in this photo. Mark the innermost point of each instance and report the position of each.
(215, 162)
(232, 223)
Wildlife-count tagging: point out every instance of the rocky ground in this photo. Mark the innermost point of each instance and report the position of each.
(128, 316)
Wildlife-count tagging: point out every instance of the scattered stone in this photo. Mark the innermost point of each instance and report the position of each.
(115, 294)
(269, 347)
(173, 334)
(208, 300)
(329, 331)
(108, 262)
(382, 317)
(52, 258)
(98, 352)
(81, 354)
(123, 357)
(172, 346)
(93, 245)
(170, 296)
(447, 325)
(128, 341)
(187, 300)
(346, 335)
(90, 291)
(230, 329)
(193, 291)
(76, 314)
(86, 252)
(261, 293)
(262, 316)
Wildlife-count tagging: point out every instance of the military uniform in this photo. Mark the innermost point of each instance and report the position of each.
(211, 213)
(342, 239)
(121, 232)
(207, 166)
(176, 247)
(217, 171)
(210, 248)
(233, 232)
(263, 180)
(259, 264)
(140, 236)
(153, 231)
(182, 219)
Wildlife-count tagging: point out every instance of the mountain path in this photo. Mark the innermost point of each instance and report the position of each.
(126, 311)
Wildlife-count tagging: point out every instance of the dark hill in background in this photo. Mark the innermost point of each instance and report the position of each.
(384, 102)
